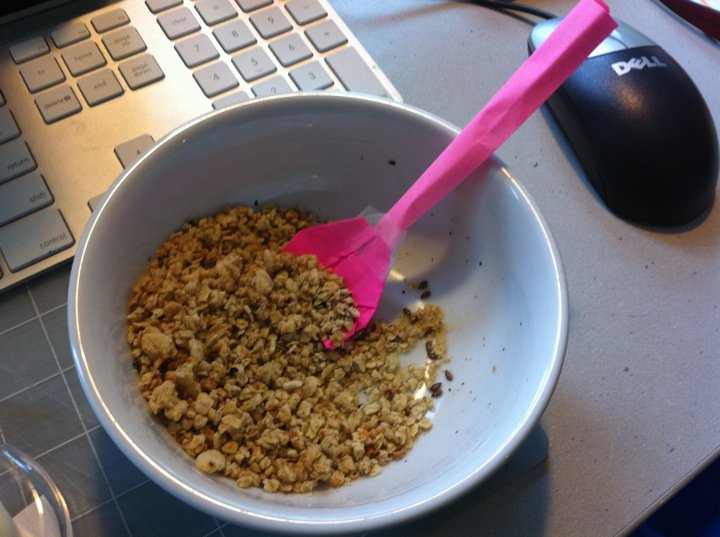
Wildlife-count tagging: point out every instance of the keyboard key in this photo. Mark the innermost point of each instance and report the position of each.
(311, 76)
(28, 50)
(276, 85)
(141, 71)
(252, 5)
(270, 22)
(215, 11)
(234, 36)
(94, 202)
(253, 64)
(129, 151)
(196, 50)
(23, 196)
(83, 58)
(156, 6)
(15, 160)
(325, 36)
(9, 129)
(41, 74)
(305, 11)
(123, 43)
(215, 79)
(234, 98)
(69, 33)
(34, 238)
(354, 73)
(100, 87)
(178, 23)
(57, 103)
(110, 20)
(290, 50)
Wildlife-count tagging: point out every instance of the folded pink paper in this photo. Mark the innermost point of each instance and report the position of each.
(537, 78)
(361, 253)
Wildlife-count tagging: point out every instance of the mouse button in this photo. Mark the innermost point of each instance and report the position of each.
(540, 32)
(630, 37)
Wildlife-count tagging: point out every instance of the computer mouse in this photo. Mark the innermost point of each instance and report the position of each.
(640, 129)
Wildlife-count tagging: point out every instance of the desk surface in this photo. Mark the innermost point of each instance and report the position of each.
(634, 416)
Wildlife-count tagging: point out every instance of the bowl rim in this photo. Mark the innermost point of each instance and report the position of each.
(357, 523)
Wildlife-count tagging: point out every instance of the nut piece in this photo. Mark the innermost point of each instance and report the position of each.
(210, 461)
(157, 345)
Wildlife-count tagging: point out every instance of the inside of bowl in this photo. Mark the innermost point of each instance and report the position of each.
(484, 251)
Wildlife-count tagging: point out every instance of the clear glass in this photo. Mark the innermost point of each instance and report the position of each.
(30, 503)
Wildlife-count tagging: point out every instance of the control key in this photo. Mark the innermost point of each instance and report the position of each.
(33, 238)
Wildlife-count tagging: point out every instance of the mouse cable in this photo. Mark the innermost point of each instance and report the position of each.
(509, 5)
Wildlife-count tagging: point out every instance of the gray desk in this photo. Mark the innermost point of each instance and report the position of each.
(634, 416)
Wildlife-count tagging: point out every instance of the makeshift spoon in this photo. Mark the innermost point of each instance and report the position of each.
(361, 252)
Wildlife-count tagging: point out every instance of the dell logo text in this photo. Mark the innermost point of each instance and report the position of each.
(623, 68)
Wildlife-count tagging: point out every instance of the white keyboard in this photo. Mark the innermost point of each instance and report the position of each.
(82, 97)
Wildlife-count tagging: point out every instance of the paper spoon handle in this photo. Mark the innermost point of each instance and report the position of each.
(587, 24)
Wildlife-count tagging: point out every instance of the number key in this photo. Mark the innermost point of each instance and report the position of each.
(270, 22)
(234, 36)
(276, 85)
(290, 49)
(311, 76)
(196, 50)
(215, 79)
(253, 64)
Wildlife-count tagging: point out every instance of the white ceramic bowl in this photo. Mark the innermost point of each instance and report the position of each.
(486, 251)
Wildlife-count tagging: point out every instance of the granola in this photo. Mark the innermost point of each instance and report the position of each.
(226, 334)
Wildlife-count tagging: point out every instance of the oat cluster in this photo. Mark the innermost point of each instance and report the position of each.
(226, 334)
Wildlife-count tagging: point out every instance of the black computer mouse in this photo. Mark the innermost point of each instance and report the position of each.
(640, 129)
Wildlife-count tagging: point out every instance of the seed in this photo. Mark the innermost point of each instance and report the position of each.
(423, 285)
(449, 375)
(436, 389)
(425, 294)
(430, 351)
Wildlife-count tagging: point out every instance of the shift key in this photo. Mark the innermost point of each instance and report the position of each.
(33, 238)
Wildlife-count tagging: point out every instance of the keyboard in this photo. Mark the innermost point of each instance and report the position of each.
(86, 93)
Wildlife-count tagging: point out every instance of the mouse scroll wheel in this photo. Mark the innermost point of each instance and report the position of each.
(610, 44)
